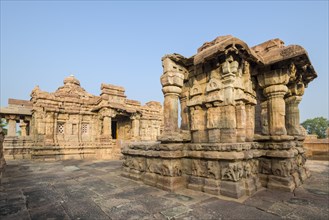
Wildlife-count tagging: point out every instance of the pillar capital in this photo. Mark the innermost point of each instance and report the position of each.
(294, 99)
(11, 117)
(135, 116)
(171, 90)
(172, 79)
(275, 90)
(273, 77)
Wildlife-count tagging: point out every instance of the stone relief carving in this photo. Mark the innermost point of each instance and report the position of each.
(199, 168)
(233, 172)
(136, 163)
(195, 118)
(265, 166)
(213, 168)
(171, 168)
(230, 66)
(281, 167)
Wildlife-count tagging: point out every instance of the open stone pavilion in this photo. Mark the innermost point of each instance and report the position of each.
(240, 126)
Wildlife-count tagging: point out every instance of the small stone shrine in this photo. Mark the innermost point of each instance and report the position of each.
(239, 126)
(70, 123)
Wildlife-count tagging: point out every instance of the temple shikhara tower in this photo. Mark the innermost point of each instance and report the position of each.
(71, 123)
(239, 127)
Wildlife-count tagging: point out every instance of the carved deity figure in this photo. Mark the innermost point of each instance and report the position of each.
(234, 172)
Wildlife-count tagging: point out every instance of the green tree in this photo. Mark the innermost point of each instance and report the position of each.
(3, 125)
(316, 126)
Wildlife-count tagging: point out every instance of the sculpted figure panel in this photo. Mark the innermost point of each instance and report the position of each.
(232, 172)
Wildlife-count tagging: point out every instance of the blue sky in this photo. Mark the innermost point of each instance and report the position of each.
(122, 42)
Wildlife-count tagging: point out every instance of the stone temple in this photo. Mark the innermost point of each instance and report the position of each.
(239, 128)
(70, 123)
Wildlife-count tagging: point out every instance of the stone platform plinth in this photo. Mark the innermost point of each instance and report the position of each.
(228, 169)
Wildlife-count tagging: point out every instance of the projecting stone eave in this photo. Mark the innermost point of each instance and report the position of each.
(179, 59)
(223, 45)
(291, 54)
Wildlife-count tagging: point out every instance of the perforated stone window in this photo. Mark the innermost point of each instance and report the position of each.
(60, 128)
(84, 128)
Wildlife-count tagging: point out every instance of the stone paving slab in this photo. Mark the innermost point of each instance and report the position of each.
(82, 189)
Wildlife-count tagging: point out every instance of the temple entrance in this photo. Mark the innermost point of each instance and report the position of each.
(114, 129)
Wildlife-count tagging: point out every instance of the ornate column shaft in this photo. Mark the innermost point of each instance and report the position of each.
(55, 128)
(241, 124)
(170, 112)
(292, 115)
(107, 126)
(228, 116)
(172, 83)
(135, 126)
(184, 111)
(23, 127)
(11, 125)
(250, 122)
(213, 122)
(276, 109)
(264, 118)
(274, 83)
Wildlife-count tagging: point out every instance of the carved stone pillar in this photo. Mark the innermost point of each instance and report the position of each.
(276, 109)
(274, 83)
(292, 115)
(11, 125)
(107, 129)
(135, 126)
(51, 130)
(241, 124)
(23, 127)
(250, 122)
(55, 127)
(198, 124)
(228, 116)
(172, 83)
(184, 111)
(213, 123)
(264, 118)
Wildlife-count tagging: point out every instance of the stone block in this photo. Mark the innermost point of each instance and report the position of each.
(257, 182)
(250, 186)
(281, 183)
(150, 179)
(195, 187)
(196, 180)
(212, 190)
(296, 179)
(170, 183)
(232, 189)
(303, 173)
(263, 179)
(228, 135)
(200, 136)
(211, 182)
(214, 135)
